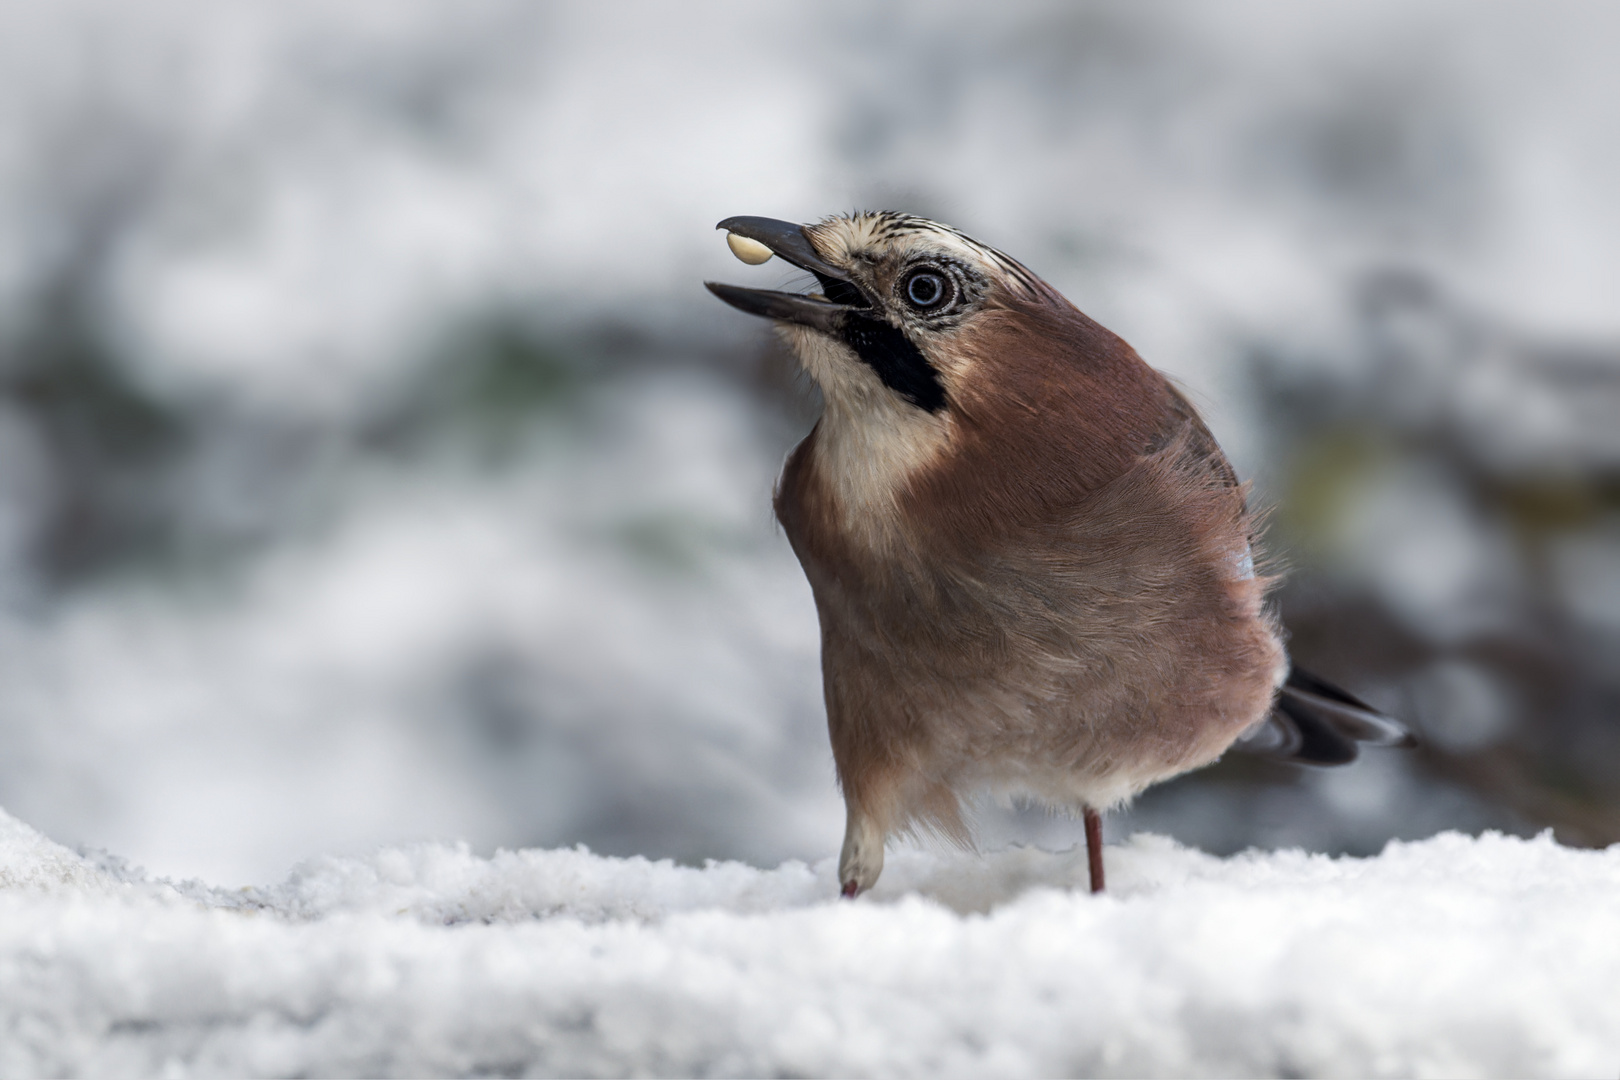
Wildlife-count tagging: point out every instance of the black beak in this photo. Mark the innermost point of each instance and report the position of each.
(788, 242)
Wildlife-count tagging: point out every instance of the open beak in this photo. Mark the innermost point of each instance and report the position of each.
(788, 242)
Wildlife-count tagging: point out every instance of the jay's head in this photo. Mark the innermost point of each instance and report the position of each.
(902, 303)
(930, 346)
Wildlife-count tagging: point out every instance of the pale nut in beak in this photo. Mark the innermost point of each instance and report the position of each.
(749, 251)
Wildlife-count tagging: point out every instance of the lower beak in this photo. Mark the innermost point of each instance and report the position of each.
(811, 311)
(787, 241)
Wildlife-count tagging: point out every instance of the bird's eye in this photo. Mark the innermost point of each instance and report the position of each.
(927, 290)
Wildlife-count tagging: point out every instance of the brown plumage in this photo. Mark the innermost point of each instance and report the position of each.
(1032, 563)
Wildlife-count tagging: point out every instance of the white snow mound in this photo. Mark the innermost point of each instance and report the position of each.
(1455, 956)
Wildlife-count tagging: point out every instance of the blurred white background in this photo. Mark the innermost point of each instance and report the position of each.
(374, 467)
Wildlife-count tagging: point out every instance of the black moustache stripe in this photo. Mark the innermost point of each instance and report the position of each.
(900, 364)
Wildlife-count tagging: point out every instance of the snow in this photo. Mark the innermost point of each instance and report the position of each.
(1453, 956)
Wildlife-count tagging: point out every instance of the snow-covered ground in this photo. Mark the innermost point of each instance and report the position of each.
(1454, 956)
(275, 224)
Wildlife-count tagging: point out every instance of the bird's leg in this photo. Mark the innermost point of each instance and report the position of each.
(1094, 847)
(861, 861)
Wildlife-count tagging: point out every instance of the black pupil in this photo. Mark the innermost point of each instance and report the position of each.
(925, 290)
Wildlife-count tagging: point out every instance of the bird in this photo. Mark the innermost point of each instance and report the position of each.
(1036, 573)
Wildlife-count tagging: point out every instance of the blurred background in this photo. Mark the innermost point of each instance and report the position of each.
(374, 467)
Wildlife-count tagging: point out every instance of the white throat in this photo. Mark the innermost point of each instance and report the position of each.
(871, 440)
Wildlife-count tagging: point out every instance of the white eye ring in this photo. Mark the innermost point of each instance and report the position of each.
(749, 251)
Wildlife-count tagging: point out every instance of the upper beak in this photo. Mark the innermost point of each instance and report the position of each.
(787, 241)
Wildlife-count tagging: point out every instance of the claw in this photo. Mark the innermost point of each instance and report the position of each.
(850, 889)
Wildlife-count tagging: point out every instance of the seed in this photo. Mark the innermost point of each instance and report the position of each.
(749, 251)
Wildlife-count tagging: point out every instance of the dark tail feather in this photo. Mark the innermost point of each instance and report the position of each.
(1316, 723)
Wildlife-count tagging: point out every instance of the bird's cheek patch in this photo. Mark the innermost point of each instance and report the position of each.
(898, 362)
